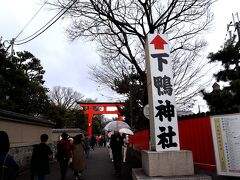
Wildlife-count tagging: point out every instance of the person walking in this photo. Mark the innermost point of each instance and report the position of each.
(64, 153)
(93, 141)
(87, 143)
(109, 149)
(116, 144)
(40, 159)
(104, 141)
(125, 146)
(78, 158)
(98, 141)
(8, 166)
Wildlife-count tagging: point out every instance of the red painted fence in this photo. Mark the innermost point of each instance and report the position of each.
(140, 140)
(194, 135)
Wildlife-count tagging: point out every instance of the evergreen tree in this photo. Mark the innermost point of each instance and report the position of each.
(21, 83)
(66, 118)
(226, 100)
(132, 86)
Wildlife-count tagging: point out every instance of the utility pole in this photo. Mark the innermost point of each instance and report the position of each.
(236, 25)
(12, 50)
(199, 110)
(11, 43)
(131, 111)
(130, 99)
(237, 28)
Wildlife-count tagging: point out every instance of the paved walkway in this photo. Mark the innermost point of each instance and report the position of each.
(99, 167)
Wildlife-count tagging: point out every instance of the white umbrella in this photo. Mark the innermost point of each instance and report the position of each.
(126, 131)
(116, 126)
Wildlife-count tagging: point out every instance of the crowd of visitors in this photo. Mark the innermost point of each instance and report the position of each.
(71, 152)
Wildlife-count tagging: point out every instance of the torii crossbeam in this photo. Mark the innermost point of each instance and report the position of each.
(103, 110)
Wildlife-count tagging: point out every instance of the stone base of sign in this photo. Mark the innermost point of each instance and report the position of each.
(167, 163)
(138, 174)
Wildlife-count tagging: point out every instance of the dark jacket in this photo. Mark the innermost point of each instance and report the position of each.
(40, 159)
(116, 143)
(9, 169)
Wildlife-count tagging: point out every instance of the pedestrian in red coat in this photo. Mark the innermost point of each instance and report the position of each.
(64, 153)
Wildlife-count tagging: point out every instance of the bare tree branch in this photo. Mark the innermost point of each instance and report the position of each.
(65, 97)
(120, 27)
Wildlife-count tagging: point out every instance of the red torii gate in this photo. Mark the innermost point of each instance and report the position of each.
(91, 111)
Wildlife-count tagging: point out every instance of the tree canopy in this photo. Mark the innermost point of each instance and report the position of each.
(65, 97)
(21, 83)
(22, 90)
(227, 99)
(66, 112)
(66, 118)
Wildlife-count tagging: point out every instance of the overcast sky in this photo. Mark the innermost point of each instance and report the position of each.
(66, 63)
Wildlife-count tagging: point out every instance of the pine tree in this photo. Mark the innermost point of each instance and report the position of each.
(132, 87)
(21, 83)
(227, 99)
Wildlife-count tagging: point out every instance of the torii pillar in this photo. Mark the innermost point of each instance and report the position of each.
(103, 105)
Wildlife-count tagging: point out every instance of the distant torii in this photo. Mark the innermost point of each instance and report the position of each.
(103, 105)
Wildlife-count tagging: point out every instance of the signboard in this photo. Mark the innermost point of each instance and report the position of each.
(226, 140)
(162, 106)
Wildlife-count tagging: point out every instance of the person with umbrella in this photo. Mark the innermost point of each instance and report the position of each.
(116, 146)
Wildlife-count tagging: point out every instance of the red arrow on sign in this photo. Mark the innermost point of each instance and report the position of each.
(158, 42)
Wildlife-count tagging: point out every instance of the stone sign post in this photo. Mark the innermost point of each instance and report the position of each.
(164, 159)
(161, 97)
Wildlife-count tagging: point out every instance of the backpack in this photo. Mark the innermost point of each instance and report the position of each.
(87, 143)
(8, 168)
(34, 160)
(62, 152)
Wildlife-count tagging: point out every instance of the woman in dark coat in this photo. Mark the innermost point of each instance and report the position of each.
(8, 167)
